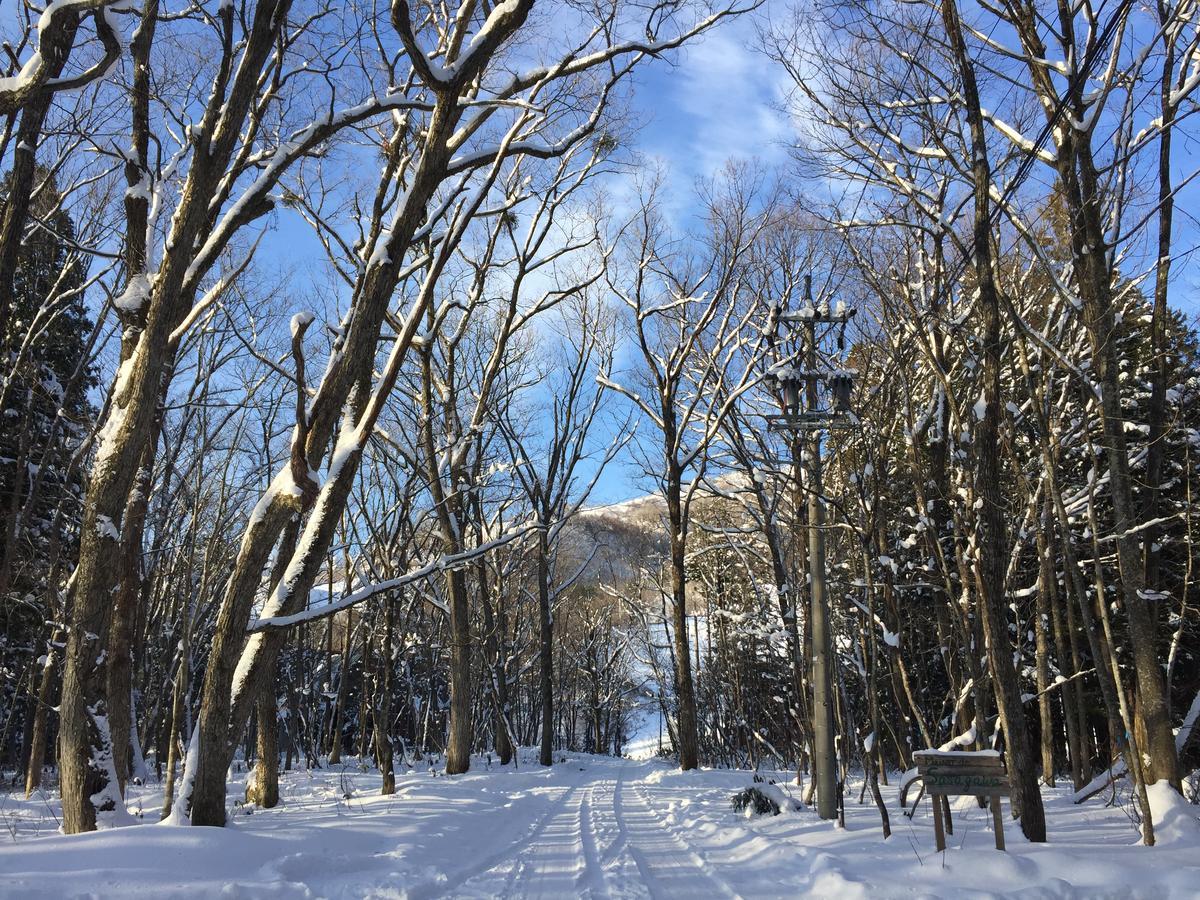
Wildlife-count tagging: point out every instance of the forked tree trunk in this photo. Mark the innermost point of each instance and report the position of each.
(89, 781)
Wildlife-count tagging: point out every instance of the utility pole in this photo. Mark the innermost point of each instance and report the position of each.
(825, 758)
(811, 421)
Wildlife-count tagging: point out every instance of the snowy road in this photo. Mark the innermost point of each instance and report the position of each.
(589, 827)
(600, 839)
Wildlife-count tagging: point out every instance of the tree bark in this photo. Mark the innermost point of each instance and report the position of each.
(458, 748)
(264, 788)
(685, 698)
(119, 685)
(545, 649)
(991, 540)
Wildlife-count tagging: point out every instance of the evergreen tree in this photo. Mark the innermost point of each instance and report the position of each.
(44, 416)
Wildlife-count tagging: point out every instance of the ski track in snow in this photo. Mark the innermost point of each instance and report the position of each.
(561, 855)
(668, 865)
(590, 827)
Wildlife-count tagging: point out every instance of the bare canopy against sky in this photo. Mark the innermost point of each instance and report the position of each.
(716, 101)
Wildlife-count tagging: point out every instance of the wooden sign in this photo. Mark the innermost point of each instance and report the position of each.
(978, 773)
(961, 759)
(975, 784)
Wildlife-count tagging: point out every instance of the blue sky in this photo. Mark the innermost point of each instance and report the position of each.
(715, 100)
(718, 102)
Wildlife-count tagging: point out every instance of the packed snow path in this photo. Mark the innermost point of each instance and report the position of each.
(589, 827)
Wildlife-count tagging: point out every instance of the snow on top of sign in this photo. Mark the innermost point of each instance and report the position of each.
(957, 754)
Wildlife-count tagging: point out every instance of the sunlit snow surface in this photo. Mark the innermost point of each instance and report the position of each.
(589, 827)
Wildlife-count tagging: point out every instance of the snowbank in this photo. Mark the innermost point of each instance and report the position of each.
(587, 827)
(1176, 822)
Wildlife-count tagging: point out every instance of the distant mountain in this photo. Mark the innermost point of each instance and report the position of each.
(620, 538)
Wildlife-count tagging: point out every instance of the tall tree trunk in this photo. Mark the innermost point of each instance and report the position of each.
(458, 749)
(37, 735)
(224, 706)
(545, 649)
(991, 541)
(1098, 316)
(264, 782)
(1156, 414)
(383, 712)
(119, 686)
(175, 730)
(339, 709)
(54, 48)
(685, 698)
(1041, 633)
(494, 665)
(1136, 762)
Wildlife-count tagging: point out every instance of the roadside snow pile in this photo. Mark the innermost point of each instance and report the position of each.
(752, 802)
(763, 797)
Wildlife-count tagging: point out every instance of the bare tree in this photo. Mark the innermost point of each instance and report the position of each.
(551, 468)
(691, 336)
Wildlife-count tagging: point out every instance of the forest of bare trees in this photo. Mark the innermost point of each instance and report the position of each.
(326, 328)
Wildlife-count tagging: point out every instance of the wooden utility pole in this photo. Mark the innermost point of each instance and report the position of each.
(824, 755)
(812, 421)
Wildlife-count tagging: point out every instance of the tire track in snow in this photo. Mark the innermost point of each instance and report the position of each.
(509, 853)
(562, 853)
(559, 859)
(666, 864)
(621, 840)
(591, 880)
(553, 865)
(678, 835)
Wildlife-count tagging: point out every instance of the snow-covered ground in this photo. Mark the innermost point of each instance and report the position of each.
(589, 827)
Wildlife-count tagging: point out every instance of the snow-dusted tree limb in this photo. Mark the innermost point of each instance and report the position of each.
(57, 28)
(430, 569)
(461, 66)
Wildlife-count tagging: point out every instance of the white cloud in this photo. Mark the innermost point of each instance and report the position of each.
(720, 102)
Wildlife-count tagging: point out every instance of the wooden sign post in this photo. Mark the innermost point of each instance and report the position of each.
(978, 773)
